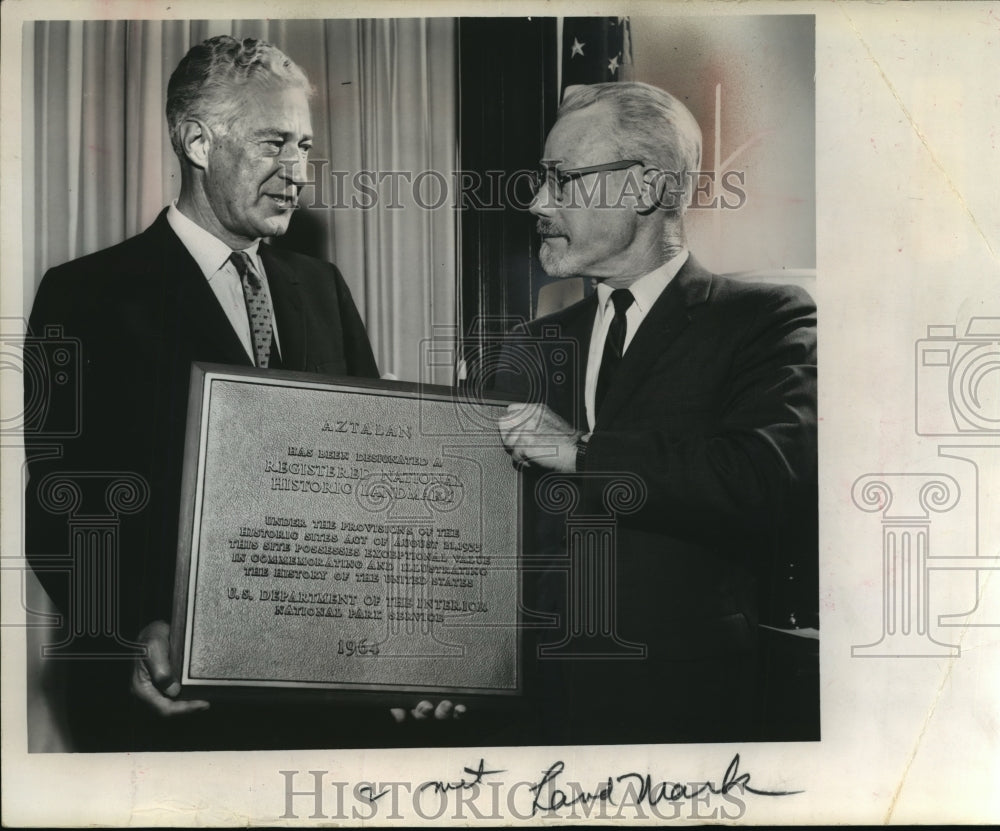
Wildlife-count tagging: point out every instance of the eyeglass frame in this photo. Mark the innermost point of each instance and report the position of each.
(563, 177)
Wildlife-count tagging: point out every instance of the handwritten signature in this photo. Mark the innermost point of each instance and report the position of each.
(547, 795)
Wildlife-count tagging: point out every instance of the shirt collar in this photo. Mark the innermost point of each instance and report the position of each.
(210, 252)
(649, 287)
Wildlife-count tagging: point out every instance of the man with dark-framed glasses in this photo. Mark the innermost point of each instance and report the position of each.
(695, 392)
(557, 180)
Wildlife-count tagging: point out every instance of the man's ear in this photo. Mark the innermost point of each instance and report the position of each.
(659, 191)
(652, 191)
(196, 141)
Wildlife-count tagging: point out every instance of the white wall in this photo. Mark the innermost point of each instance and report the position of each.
(765, 65)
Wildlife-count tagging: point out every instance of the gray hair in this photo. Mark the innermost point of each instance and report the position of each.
(212, 79)
(653, 126)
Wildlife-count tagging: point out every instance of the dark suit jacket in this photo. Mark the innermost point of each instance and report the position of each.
(140, 313)
(714, 409)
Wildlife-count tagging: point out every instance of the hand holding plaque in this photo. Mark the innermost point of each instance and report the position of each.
(153, 681)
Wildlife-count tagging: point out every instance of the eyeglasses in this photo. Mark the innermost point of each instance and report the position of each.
(557, 179)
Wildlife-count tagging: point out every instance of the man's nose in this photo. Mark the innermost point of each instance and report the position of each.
(293, 168)
(542, 204)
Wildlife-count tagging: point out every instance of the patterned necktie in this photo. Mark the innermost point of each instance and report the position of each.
(614, 345)
(258, 307)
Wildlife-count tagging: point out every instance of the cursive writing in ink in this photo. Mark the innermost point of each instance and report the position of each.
(555, 798)
(558, 798)
(368, 792)
(679, 790)
(462, 784)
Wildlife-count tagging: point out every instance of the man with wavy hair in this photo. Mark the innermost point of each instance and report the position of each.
(199, 284)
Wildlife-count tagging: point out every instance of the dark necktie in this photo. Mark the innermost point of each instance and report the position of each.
(258, 307)
(614, 346)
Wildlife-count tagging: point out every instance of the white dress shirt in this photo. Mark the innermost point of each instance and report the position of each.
(212, 256)
(645, 290)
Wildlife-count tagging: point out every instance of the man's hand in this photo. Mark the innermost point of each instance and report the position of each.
(152, 681)
(534, 435)
(426, 710)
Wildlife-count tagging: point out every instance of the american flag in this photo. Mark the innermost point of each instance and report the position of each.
(594, 50)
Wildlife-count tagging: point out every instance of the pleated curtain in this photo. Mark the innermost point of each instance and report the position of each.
(99, 167)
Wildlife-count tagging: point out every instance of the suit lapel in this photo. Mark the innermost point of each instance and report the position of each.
(191, 308)
(670, 315)
(288, 310)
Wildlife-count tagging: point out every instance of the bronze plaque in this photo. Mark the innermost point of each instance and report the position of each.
(344, 535)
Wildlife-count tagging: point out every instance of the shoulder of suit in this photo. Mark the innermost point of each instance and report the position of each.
(757, 293)
(302, 264)
(74, 293)
(117, 262)
(562, 317)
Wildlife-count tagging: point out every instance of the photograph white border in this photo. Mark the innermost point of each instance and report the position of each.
(908, 157)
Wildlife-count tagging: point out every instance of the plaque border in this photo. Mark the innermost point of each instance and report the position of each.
(196, 438)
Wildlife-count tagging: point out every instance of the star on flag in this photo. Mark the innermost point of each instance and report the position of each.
(595, 50)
